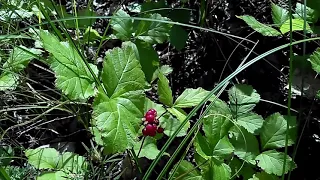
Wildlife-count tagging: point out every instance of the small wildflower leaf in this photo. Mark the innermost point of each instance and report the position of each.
(273, 131)
(122, 24)
(315, 60)
(264, 176)
(243, 98)
(118, 114)
(279, 14)
(73, 76)
(259, 27)
(297, 25)
(245, 144)
(164, 90)
(187, 171)
(311, 15)
(252, 122)
(272, 162)
(191, 97)
(8, 81)
(149, 148)
(153, 32)
(58, 175)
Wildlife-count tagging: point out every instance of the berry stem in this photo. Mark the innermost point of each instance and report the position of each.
(144, 137)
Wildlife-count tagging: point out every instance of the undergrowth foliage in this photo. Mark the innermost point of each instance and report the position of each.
(233, 141)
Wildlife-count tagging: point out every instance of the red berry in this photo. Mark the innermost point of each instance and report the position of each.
(150, 118)
(152, 111)
(145, 132)
(151, 130)
(160, 130)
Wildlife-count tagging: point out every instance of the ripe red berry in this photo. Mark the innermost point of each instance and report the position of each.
(151, 130)
(150, 118)
(145, 132)
(160, 130)
(152, 111)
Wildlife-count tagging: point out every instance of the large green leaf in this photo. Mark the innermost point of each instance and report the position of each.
(118, 114)
(245, 144)
(187, 171)
(216, 127)
(147, 56)
(252, 122)
(171, 124)
(264, 176)
(222, 149)
(311, 15)
(239, 169)
(259, 27)
(153, 32)
(49, 158)
(149, 148)
(20, 57)
(122, 25)
(243, 98)
(279, 14)
(273, 132)
(272, 162)
(297, 25)
(43, 158)
(217, 171)
(58, 175)
(8, 81)
(191, 97)
(73, 76)
(164, 90)
(315, 60)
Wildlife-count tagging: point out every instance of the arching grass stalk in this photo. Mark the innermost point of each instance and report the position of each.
(289, 93)
(212, 92)
(302, 82)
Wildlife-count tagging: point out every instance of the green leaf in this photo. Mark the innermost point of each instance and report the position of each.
(20, 57)
(122, 25)
(279, 14)
(191, 97)
(6, 152)
(311, 15)
(245, 144)
(252, 122)
(157, 7)
(187, 171)
(216, 127)
(273, 132)
(118, 114)
(264, 176)
(178, 113)
(153, 32)
(148, 58)
(259, 27)
(315, 60)
(297, 25)
(91, 34)
(8, 81)
(42, 158)
(73, 76)
(222, 149)
(149, 148)
(164, 90)
(272, 162)
(178, 37)
(239, 169)
(171, 124)
(243, 98)
(72, 163)
(59, 175)
(217, 171)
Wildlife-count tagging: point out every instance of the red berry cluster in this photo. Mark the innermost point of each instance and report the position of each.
(151, 124)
